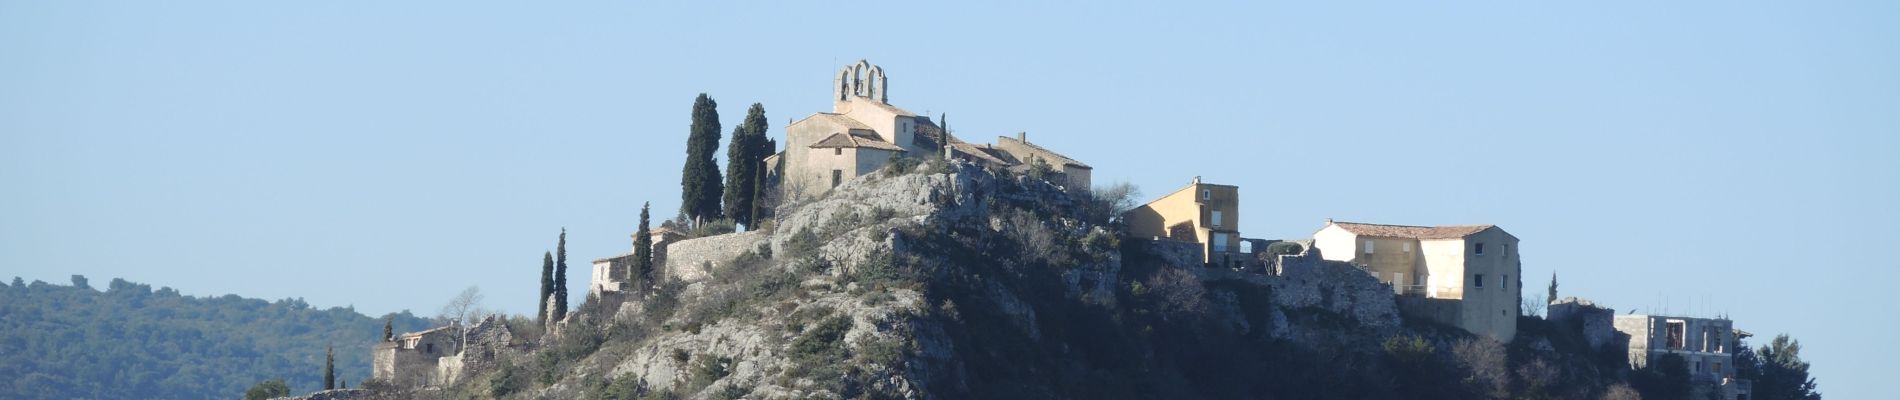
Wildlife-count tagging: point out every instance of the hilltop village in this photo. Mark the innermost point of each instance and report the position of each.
(1465, 276)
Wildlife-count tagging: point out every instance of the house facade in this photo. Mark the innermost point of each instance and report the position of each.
(411, 359)
(864, 132)
(1469, 274)
(610, 274)
(1204, 213)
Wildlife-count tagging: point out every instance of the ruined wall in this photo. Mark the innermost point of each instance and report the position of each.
(688, 260)
(1596, 324)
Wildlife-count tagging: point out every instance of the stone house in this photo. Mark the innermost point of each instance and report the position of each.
(1462, 275)
(864, 132)
(411, 359)
(1204, 213)
(438, 356)
(1706, 346)
(610, 274)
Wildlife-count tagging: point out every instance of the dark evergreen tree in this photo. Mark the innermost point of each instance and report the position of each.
(700, 186)
(19, 283)
(389, 331)
(1782, 373)
(1552, 297)
(329, 367)
(547, 287)
(643, 251)
(745, 158)
(560, 277)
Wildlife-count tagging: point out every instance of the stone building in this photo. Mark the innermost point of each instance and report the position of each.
(1204, 213)
(1706, 346)
(1463, 275)
(864, 132)
(438, 356)
(411, 359)
(610, 274)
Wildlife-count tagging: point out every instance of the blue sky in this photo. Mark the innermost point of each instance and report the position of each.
(1706, 158)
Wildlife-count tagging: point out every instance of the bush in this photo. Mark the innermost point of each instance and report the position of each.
(266, 389)
(1284, 248)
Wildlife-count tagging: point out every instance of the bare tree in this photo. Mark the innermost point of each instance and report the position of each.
(1485, 360)
(1621, 391)
(464, 307)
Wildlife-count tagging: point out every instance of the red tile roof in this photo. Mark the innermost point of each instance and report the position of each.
(1412, 232)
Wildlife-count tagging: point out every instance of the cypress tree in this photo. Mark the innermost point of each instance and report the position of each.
(329, 368)
(745, 158)
(560, 277)
(1552, 296)
(547, 286)
(700, 187)
(388, 333)
(643, 251)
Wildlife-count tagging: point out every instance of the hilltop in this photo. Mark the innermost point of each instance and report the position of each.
(950, 280)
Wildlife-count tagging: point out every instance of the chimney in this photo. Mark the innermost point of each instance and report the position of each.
(1022, 137)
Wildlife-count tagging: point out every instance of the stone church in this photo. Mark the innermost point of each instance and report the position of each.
(864, 132)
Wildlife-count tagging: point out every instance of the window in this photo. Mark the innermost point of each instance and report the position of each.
(1220, 242)
(1207, 194)
(837, 177)
(1675, 330)
(1368, 247)
(1717, 366)
(429, 348)
(1405, 247)
(1398, 282)
(1480, 249)
(1506, 282)
(837, 151)
(1216, 218)
(1477, 280)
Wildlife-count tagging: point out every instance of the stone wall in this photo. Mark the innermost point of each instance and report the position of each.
(688, 260)
(1307, 280)
(1176, 253)
(1597, 325)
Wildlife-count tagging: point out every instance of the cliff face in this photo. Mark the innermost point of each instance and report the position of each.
(951, 281)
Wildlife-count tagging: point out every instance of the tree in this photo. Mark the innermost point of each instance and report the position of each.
(79, 281)
(700, 188)
(464, 307)
(560, 277)
(329, 367)
(1552, 297)
(1783, 375)
(745, 159)
(547, 287)
(268, 389)
(389, 332)
(643, 250)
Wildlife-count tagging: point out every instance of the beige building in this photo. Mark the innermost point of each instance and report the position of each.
(1476, 265)
(864, 132)
(1203, 213)
(411, 359)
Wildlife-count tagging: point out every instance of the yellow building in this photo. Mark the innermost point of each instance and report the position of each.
(1476, 265)
(1203, 213)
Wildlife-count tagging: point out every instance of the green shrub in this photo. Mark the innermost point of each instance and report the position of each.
(1284, 248)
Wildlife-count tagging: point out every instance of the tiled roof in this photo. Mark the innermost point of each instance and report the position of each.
(839, 119)
(979, 152)
(425, 332)
(615, 257)
(840, 140)
(1059, 158)
(1412, 232)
